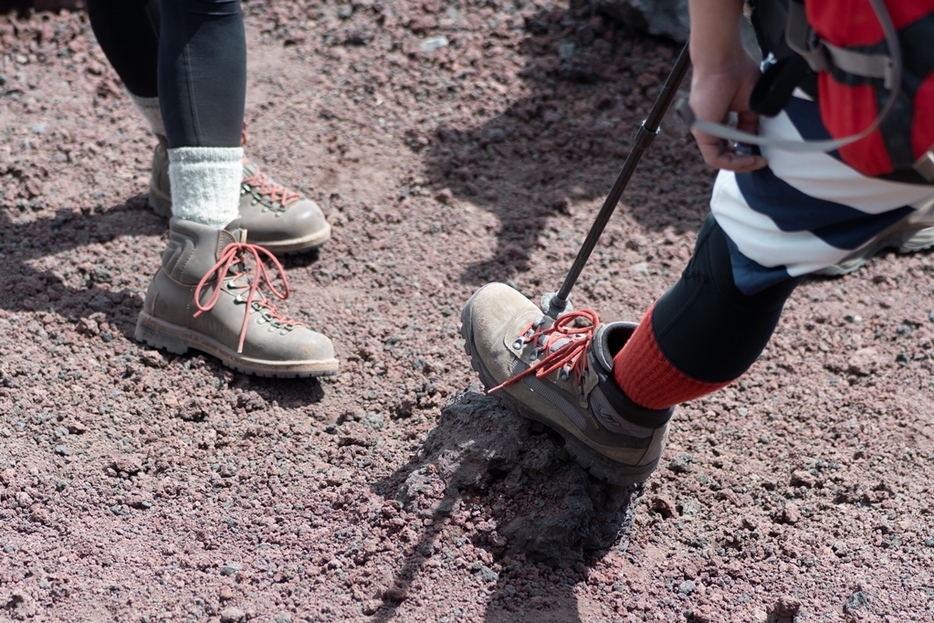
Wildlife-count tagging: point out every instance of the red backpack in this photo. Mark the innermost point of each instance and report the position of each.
(870, 65)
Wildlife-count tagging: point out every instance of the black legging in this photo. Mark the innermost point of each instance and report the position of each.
(189, 53)
(705, 325)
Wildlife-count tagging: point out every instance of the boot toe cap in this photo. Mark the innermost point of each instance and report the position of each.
(493, 318)
(302, 225)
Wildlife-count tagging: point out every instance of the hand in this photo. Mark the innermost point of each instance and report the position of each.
(716, 91)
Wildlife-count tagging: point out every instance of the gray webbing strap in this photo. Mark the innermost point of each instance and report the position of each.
(821, 55)
(738, 136)
(877, 66)
(925, 165)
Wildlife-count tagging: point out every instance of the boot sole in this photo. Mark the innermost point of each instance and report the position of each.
(178, 340)
(844, 268)
(597, 465)
(162, 206)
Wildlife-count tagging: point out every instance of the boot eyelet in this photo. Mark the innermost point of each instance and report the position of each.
(517, 345)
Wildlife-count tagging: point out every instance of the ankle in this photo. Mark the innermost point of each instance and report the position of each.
(646, 375)
(609, 341)
(205, 183)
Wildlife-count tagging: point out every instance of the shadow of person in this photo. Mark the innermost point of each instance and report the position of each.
(506, 485)
(590, 84)
(95, 289)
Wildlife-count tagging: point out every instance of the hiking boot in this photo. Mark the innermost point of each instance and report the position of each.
(205, 296)
(282, 220)
(560, 373)
(903, 242)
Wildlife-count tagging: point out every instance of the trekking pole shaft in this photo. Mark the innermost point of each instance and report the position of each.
(644, 137)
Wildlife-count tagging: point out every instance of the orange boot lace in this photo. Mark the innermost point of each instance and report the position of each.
(566, 344)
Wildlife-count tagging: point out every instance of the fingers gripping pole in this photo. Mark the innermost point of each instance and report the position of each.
(554, 304)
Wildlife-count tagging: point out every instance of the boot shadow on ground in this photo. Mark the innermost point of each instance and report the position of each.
(593, 82)
(28, 289)
(24, 288)
(508, 487)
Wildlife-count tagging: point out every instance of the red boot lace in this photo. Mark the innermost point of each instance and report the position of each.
(566, 343)
(263, 185)
(231, 262)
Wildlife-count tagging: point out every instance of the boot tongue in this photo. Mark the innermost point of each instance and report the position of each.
(232, 234)
(249, 168)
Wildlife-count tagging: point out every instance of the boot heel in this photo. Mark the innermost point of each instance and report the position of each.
(160, 197)
(158, 339)
(160, 203)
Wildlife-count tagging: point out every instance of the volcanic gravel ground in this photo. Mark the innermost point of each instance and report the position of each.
(451, 144)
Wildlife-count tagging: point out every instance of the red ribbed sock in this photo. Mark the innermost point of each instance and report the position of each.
(648, 378)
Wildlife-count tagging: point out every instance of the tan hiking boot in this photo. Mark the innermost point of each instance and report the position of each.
(206, 297)
(282, 220)
(560, 373)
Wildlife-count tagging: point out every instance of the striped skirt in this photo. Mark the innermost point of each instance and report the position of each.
(806, 212)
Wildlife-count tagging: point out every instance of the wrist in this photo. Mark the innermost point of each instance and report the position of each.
(715, 34)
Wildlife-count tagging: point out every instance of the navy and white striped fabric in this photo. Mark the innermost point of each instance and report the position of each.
(805, 212)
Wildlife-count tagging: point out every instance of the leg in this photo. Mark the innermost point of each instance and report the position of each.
(701, 334)
(202, 82)
(184, 64)
(200, 34)
(202, 93)
(128, 34)
(202, 86)
(610, 389)
(205, 296)
(202, 72)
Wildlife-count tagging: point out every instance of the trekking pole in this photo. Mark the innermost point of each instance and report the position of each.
(554, 304)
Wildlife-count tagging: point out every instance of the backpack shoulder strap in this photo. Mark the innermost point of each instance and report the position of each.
(822, 55)
(769, 18)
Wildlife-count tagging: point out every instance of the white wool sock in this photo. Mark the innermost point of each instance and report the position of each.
(149, 108)
(206, 184)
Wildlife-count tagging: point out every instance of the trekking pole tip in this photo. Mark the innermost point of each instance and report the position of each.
(554, 306)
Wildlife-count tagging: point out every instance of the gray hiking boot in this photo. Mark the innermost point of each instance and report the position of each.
(903, 242)
(560, 373)
(206, 296)
(282, 220)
